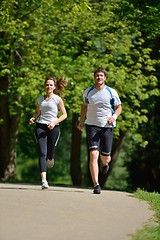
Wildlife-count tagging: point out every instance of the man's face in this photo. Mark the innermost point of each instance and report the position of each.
(99, 79)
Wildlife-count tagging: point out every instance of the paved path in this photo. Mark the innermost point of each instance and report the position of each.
(62, 213)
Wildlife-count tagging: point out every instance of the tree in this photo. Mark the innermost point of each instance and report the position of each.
(121, 48)
(144, 164)
(73, 41)
(28, 32)
(19, 61)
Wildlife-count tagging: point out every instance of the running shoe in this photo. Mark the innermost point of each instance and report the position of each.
(97, 189)
(105, 169)
(45, 184)
(50, 163)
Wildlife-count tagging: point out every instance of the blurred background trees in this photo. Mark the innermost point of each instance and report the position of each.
(73, 38)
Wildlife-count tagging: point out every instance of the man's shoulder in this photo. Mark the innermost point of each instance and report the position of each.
(87, 90)
(112, 90)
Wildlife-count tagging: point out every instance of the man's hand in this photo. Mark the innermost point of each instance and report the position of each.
(80, 126)
(112, 119)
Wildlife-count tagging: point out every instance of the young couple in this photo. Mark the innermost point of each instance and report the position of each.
(100, 110)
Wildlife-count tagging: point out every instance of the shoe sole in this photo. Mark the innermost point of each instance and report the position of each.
(50, 165)
(97, 192)
(44, 188)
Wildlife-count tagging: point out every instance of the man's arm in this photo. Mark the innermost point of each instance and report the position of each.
(115, 115)
(82, 116)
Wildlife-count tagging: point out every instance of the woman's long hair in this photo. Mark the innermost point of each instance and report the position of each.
(60, 84)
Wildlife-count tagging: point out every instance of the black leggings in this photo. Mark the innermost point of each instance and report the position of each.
(47, 140)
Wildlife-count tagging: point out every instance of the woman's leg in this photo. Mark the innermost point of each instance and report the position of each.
(52, 140)
(41, 137)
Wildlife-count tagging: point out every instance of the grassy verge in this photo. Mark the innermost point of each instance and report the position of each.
(151, 231)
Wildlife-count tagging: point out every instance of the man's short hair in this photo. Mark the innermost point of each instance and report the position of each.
(100, 69)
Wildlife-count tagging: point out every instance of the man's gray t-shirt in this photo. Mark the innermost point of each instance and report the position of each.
(99, 108)
(49, 109)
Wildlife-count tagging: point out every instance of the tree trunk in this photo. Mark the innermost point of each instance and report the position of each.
(8, 132)
(115, 152)
(76, 173)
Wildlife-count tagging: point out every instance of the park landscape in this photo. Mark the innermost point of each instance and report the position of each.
(71, 39)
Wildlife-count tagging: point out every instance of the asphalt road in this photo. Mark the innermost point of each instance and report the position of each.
(62, 213)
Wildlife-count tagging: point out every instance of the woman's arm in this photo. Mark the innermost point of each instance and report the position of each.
(62, 116)
(35, 115)
(63, 112)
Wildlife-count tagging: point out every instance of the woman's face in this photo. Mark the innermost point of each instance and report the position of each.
(49, 86)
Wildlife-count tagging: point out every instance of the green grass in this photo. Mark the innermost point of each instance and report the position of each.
(151, 231)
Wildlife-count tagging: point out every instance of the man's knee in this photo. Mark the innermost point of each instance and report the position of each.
(94, 153)
(105, 159)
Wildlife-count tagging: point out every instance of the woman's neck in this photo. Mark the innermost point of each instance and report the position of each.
(49, 95)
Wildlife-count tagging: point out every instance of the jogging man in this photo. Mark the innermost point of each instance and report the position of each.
(100, 110)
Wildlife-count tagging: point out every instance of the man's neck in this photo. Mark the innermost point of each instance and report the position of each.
(99, 87)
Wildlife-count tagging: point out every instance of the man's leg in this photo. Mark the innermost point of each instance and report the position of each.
(105, 164)
(93, 146)
(106, 146)
(105, 159)
(93, 165)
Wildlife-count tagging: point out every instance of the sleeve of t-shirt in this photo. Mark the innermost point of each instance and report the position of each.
(117, 100)
(39, 100)
(85, 97)
(57, 99)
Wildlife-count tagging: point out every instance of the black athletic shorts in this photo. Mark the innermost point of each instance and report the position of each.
(99, 138)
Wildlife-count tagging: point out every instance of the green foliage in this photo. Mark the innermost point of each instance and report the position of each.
(45, 37)
(118, 179)
(150, 231)
(74, 45)
(153, 199)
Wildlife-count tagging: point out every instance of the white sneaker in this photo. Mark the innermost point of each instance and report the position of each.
(50, 163)
(45, 184)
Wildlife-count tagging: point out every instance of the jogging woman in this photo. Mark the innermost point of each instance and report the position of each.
(47, 130)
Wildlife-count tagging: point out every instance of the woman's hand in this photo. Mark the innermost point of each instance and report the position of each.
(35, 115)
(51, 125)
(31, 120)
